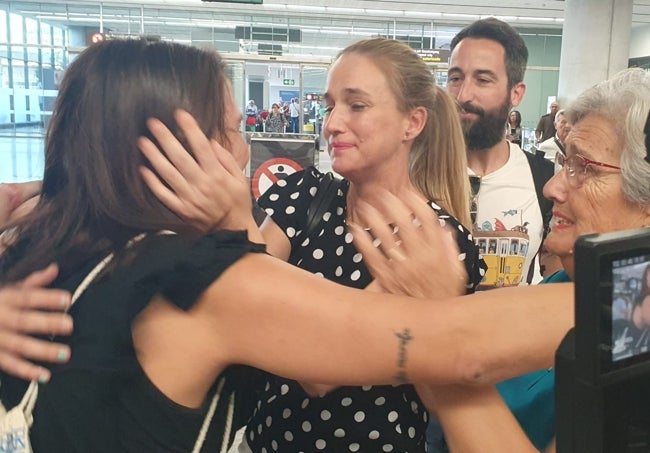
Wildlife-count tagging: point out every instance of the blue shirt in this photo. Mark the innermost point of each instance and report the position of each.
(531, 398)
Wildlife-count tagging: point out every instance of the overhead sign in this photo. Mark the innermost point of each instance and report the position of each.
(270, 172)
(289, 82)
(434, 55)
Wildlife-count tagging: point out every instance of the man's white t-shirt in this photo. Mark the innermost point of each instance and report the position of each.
(508, 227)
(293, 110)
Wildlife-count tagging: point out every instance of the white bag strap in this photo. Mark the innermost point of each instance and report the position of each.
(208, 419)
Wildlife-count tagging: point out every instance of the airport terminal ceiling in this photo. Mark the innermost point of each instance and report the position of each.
(300, 29)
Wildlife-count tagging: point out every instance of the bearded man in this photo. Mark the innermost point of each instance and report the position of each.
(509, 212)
(485, 76)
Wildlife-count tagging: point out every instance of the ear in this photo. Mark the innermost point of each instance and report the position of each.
(415, 122)
(517, 93)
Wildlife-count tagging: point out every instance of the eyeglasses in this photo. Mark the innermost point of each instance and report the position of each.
(475, 185)
(576, 167)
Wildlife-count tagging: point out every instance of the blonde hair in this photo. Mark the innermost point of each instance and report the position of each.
(438, 160)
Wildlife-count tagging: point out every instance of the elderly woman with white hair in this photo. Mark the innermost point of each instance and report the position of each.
(603, 185)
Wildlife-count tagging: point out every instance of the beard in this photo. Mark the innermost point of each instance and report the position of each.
(488, 129)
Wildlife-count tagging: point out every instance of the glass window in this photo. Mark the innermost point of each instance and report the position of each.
(16, 29)
(31, 29)
(46, 34)
(3, 25)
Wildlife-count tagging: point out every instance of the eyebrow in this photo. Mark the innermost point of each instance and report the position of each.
(577, 149)
(487, 72)
(475, 73)
(348, 91)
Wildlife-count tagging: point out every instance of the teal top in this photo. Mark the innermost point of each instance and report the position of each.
(531, 397)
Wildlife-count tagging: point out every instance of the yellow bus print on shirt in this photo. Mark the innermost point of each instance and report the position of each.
(504, 253)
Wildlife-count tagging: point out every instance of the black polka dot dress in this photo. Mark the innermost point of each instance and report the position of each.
(349, 419)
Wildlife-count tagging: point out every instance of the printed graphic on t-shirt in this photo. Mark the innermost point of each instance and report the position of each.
(503, 242)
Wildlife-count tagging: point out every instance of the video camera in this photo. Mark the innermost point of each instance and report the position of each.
(602, 394)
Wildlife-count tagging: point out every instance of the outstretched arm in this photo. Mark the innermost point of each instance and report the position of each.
(268, 314)
(334, 334)
(493, 427)
(28, 309)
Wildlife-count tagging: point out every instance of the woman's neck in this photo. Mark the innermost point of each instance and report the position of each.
(372, 193)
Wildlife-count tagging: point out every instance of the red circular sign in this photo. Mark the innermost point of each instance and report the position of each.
(270, 172)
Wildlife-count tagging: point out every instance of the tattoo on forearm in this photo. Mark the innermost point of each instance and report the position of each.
(404, 339)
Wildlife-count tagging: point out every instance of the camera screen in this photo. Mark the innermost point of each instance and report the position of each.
(630, 307)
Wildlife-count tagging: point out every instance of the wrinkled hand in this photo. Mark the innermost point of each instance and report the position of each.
(406, 249)
(28, 309)
(209, 191)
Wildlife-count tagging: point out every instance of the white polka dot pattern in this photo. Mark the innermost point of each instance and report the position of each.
(349, 419)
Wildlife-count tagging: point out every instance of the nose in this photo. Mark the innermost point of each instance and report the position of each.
(463, 92)
(556, 189)
(334, 123)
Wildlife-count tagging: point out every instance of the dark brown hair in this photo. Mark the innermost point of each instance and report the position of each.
(501, 32)
(93, 198)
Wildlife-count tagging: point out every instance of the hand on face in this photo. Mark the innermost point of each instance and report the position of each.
(27, 309)
(210, 191)
(415, 255)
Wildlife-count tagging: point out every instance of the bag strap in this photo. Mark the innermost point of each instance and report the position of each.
(542, 170)
(208, 419)
(327, 189)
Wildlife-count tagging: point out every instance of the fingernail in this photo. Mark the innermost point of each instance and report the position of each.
(62, 356)
(43, 379)
(65, 301)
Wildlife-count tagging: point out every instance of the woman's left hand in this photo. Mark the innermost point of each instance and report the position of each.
(209, 190)
(414, 254)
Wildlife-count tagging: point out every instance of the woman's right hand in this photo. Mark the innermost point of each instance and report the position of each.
(27, 308)
(420, 259)
(209, 191)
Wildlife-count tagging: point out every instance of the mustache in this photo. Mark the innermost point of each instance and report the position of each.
(468, 107)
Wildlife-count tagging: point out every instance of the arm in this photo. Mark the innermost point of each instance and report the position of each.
(27, 309)
(295, 324)
(277, 243)
(493, 427)
(327, 330)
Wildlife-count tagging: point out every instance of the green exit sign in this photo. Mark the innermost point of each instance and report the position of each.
(289, 82)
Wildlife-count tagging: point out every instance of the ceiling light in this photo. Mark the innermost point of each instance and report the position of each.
(421, 14)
